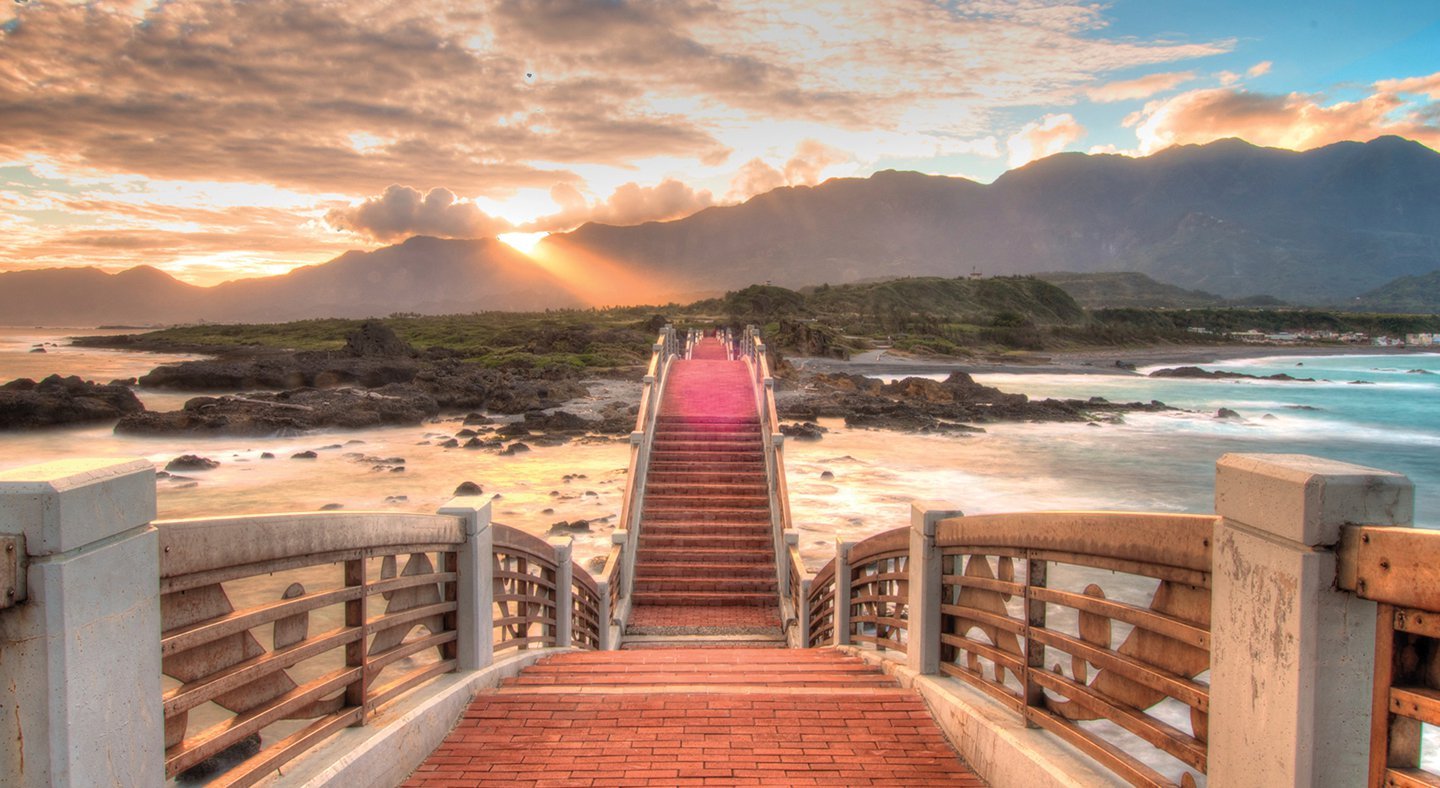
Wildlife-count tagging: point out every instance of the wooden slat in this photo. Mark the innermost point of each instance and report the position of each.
(1112, 757)
(878, 599)
(1397, 566)
(222, 574)
(400, 686)
(1411, 778)
(218, 737)
(506, 574)
(1385, 617)
(1144, 618)
(1178, 687)
(392, 620)
(410, 581)
(378, 662)
(1005, 658)
(984, 617)
(184, 638)
(997, 691)
(519, 642)
(1166, 737)
(261, 764)
(886, 643)
(1177, 540)
(985, 583)
(1417, 703)
(518, 620)
(529, 599)
(190, 695)
(1417, 622)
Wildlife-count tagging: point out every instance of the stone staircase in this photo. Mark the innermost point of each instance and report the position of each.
(705, 567)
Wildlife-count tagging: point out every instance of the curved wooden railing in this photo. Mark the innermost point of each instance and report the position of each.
(616, 577)
(1019, 608)
(1399, 568)
(396, 599)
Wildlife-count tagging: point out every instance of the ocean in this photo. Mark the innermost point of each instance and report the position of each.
(1146, 461)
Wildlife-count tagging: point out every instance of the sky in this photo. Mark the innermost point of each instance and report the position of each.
(221, 140)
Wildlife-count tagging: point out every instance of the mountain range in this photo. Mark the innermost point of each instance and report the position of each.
(1229, 218)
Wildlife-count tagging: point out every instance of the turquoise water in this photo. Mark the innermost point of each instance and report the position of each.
(1390, 421)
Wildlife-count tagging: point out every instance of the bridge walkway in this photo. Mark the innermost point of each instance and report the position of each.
(705, 567)
(697, 717)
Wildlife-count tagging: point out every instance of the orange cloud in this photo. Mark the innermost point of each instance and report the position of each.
(1297, 121)
(401, 211)
(1140, 87)
(1259, 69)
(804, 168)
(1040, 138)
(630, 203)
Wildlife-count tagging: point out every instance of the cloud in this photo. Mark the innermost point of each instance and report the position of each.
(1140, 87)
(1040, 138)
(1426, 86)
(631, 203)
(804, 168)
(1297, 121)
(402, 211)
(1259, 69)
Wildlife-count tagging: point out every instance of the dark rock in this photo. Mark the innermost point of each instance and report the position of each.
(513, 430)
(803, 431)
(37, 350)
(1362, 382)
(396, 498)
(577, 527)
(304, 455)
(515, 448)
(1125, 365)
(191, 462)
(1203, 374)
(330, 507)
(469, 488)
(25, 404)
(127, 382)
(477, 419)
(450, 444)
(466, 434)
(558, 421)
(265, 455)
(376, 339)
(1226, 413)
(1303, 407)
(547, 510)
(1418, 372)
(287, 412)
(1268, 417)
(474, 443)
(826, 476)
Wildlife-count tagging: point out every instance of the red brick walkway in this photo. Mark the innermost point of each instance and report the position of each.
(697, 717)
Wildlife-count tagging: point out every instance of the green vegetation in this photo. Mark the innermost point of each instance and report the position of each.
(1411, 294)
(925, 315)
(1127, 289)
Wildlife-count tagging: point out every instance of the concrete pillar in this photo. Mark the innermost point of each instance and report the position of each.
(1291, 656)
(564, 589)
(80, 658)
(922, 650)
(475, 619)
(842, 592)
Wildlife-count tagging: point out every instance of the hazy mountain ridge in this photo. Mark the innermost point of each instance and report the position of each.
(1408, 294)
(1226, 218)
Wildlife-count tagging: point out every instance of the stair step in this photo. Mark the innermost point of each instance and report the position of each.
(687, 453)
(707, 502)
(709, 585)
(739, 571)
(700, 640)
(687, 436)
(647, 556)
(704, 598)
(701, 475)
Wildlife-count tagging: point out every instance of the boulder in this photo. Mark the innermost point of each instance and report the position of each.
(373, 338)
(56, 400)
(191, 462)
(287, 412)
(469, 488)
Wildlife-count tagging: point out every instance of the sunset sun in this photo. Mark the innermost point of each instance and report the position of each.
(522, 242)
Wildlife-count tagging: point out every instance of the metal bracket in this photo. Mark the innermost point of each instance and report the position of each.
(12, 570)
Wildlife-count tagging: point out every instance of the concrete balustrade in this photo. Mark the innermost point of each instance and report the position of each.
(1292, 656)
(475, 640)
(80, 658)
(926, 569)
(564, 590)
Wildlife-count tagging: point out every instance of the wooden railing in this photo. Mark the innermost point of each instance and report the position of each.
(1399, 568)
(1013, 605)
(753, 351)
(616, 577)
(397, 599)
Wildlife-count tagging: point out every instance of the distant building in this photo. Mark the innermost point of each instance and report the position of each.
(1253, 335)
(1387, 342)
(1420, 340)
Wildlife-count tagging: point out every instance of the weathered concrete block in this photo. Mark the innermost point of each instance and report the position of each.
(62, 506)
(1307, 499)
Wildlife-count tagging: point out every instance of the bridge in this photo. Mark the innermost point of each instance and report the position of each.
(1289, 638)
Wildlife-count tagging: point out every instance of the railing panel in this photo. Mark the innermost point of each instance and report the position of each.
(822, 606)
(1092, 625)
(585, 611)
(1397, 568)
(880, 590)
(525, 598)
(241, 665)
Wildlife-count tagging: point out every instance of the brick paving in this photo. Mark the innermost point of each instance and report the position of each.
(697, 717)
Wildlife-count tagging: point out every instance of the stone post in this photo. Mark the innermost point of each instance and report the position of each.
(922, 650)
(1292, 657)
(842, 592)
(564, 590)
(475, 614)
(80, 675)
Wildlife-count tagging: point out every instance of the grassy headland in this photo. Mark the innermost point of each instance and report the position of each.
(921, 315)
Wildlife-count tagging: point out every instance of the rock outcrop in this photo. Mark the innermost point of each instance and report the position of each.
(287, 412)
(56, 400)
